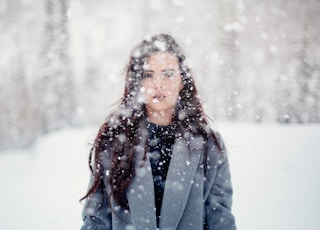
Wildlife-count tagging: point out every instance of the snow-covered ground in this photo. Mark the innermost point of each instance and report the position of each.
(275, 175)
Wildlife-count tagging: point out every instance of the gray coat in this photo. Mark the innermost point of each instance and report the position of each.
(190, 199)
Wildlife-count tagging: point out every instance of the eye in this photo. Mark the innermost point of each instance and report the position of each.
(146, 75)
(168, 74)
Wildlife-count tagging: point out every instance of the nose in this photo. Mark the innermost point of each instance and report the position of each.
(158, 83)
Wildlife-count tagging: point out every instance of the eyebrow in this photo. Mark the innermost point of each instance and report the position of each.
(164, 70)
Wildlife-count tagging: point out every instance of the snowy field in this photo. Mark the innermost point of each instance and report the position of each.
(275, 173)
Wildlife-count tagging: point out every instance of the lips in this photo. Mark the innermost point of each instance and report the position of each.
(158, 97)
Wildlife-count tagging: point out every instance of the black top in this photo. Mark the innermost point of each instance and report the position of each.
(161, 138)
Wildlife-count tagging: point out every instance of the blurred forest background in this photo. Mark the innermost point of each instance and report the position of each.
(61, 61)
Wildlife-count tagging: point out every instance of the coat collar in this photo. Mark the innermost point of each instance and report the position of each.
(183, 166)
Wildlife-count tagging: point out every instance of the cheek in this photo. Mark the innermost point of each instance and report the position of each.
(175, 88)
(146, 86)
(146, 92)
(149, 92)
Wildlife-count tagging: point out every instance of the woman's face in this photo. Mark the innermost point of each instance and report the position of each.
(161, 85)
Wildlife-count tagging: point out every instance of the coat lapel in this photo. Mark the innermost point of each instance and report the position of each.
(180, 176)
(141, 195)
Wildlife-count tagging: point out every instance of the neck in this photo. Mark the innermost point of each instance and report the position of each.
(160, 118)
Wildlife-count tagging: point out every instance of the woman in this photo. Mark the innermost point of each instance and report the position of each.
(156, 163)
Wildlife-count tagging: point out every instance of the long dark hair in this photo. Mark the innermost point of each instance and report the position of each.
(121, 131)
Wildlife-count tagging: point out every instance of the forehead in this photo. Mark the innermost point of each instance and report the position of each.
(162, 60)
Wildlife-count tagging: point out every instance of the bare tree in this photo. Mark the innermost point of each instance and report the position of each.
(55, 86)
(229, 81)
(300, 93)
